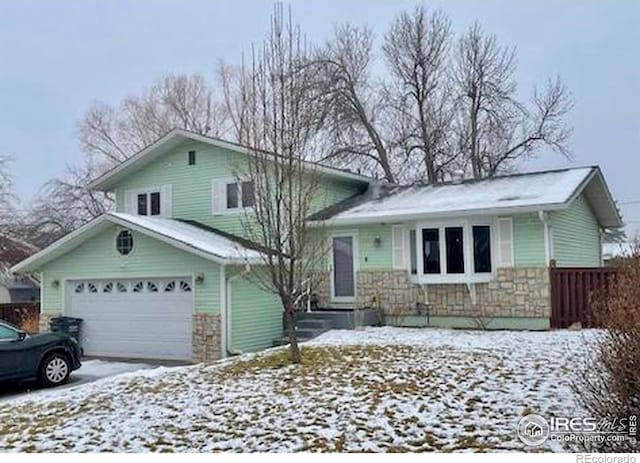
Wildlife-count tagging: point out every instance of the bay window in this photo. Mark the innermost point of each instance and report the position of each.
(455, 249)
(482, 249)
(431, 250)
(458, 251)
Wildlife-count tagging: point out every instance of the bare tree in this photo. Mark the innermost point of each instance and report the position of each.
(64, 205)
(8, 198)
(608, 384)
(110, 135)
(283, 119)
(416, 51)
(355, 111)
(495, 128)
(183, 101)
(235, 85)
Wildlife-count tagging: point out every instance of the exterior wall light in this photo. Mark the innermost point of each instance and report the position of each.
(199, 278)
(377, 241)
(55, 283)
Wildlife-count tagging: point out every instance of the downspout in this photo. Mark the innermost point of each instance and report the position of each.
(548, 247)
(227, 311)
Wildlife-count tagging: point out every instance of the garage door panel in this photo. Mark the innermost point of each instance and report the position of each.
(138, 318)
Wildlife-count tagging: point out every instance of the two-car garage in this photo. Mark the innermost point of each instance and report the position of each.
(136, 318)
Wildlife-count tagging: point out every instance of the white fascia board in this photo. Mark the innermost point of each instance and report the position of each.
(68, 242)
(178, 244)
(49, 252)
(393, 218)
(104, 181)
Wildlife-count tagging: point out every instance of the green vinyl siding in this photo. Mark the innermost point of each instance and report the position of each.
(191, 184)
(256, 315)
(98, 258)
(528, 241)
(370, 255)
(576, 236)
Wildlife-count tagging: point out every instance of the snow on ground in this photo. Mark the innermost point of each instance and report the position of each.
(103, 368)
(380, 389)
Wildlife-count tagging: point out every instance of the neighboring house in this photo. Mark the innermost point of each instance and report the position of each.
(168, 273)
(16, 288)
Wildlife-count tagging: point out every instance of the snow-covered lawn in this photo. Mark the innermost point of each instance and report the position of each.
(382, 389)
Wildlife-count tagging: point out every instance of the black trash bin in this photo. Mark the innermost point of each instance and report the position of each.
(67, 325)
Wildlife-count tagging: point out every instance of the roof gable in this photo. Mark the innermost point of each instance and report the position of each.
(187, 237)
(175, 138)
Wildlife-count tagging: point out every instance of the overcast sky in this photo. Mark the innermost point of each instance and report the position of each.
(56, 57)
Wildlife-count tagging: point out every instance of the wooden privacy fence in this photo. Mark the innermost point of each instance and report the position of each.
(26, 315)
(571, 290)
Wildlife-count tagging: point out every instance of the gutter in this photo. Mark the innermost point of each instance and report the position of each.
(228, 350)
(394, 217)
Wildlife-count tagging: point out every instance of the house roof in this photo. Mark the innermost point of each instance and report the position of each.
(185, 236)
(176, 137)
(507, 194)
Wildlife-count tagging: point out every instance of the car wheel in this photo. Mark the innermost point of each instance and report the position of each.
(55, 370)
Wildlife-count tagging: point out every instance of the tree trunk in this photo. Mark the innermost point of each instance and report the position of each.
(475, 156)
(294, 349)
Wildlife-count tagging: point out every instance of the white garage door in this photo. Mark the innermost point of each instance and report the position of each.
(141, 318)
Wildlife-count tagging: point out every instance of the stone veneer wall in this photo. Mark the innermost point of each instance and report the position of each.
(322, 288)
(516, 292)
(206, 337)
(45, 318)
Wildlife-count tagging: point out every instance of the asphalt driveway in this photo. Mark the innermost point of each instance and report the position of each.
(91, 370)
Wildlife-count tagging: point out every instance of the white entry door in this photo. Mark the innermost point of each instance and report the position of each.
(137, 318)
(343, 272)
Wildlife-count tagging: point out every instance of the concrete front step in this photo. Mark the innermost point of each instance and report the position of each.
(313, 324)
(284, 340)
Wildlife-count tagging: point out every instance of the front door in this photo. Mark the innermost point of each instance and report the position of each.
(343, 283)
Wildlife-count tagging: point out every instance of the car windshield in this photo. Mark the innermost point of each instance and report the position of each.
(8, 333)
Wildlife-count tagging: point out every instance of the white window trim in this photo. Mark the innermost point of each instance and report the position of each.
(469, 275)
(230, 210)
(165, 199)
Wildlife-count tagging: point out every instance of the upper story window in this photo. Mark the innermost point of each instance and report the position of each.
(191, 158)
(231, 195)
(149, 203)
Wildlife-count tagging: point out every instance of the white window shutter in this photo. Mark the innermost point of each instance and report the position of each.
(130, 202)
(218, 196)
(505, 242)
(398, 241)
(166, 201)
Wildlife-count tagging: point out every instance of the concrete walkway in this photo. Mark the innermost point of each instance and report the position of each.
(91, 370)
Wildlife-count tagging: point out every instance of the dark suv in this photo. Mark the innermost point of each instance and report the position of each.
(48, 357)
